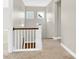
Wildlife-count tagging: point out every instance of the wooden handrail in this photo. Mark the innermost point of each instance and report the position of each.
(25, 28)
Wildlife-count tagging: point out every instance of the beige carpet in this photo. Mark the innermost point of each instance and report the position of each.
(51, 50)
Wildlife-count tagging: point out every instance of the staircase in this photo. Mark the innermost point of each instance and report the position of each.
(27, 39)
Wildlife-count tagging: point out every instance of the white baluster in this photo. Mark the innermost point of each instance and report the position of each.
(33, 37)
(15, 39)
(30, 39)
(24, 38)
(27, 39)
(18, 38)
(21, 39)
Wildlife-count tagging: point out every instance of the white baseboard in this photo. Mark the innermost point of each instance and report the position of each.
(68, 50)
(56, 38)
(27, 50)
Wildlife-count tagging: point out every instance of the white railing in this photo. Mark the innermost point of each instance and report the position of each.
(27, 38)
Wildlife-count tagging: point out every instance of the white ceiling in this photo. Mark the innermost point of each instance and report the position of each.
(41, 3)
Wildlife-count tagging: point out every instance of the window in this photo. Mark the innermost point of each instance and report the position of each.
(29, 15)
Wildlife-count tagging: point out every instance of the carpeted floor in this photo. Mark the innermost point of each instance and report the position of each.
(51, 50)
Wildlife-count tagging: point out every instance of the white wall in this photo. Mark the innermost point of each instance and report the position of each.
(68, 19)
(7, 25)
(19, 13)
(6, 19)
(18, 18)
(57, 19)
(50, 20)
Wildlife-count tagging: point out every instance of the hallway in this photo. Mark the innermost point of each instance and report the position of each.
(51, 50)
